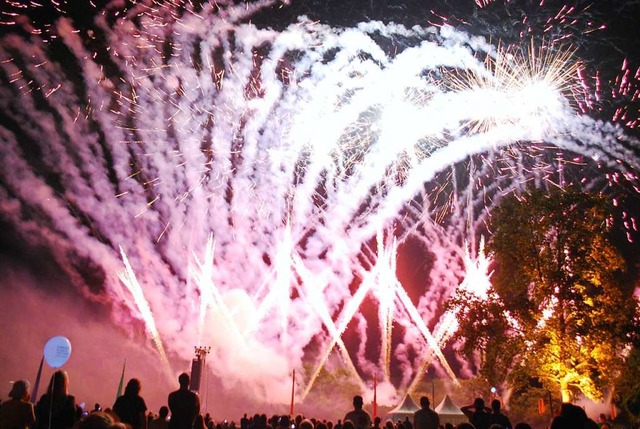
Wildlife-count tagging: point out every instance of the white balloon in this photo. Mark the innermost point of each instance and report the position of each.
(57, 351)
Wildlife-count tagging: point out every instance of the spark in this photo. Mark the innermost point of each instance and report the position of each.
(343, 320)
(129, 279)
(312, 293)
(477, 281)
(521, 87)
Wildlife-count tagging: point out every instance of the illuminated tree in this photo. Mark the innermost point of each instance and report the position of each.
(559, 310)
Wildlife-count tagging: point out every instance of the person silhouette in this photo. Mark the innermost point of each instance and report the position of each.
(425, 417)
(359, 417)
(160, 422)
(130, 407)
(18, 412)
(183, 404)
(497, 417)
(477, 414)
(198, 422)
(56, 409)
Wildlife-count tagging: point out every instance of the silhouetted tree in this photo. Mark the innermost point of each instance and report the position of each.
(627, 386)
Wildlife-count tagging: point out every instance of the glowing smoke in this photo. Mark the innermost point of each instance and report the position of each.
(291, 150)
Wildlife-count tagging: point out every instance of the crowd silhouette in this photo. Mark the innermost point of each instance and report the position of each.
(57, 409)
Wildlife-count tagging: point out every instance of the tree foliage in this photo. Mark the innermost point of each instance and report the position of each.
(627, 387)
(559, 310)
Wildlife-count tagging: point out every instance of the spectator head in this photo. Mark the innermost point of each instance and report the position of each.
(348, 424)
(284, 421)
(573, 415)
(560, 422)
(99, 420)
(133, 387)
(357, 402)
(306, 424)
(495, 405)
(163, 412)
(59, 384)
(478, 404)
(198, 423)
(424, 402)
(184, 379)
(522, 425)
(20, 390)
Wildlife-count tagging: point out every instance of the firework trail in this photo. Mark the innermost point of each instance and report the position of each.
(128, 278)
(163, 128)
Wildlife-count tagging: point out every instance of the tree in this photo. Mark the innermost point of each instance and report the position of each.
(332, 392)
(559, 310)
(627, 387)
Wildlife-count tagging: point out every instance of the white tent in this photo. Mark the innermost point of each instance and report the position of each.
(450, 412)
(406, 409)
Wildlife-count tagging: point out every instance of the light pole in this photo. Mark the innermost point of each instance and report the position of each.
(198, 367)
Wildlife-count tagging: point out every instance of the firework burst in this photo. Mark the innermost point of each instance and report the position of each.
(164, 128)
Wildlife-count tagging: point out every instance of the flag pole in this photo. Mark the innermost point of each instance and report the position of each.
(52, 386)
(34, 392)
(293, 386)
(433, 393)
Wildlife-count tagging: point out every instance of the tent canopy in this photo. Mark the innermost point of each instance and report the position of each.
(447, 407)
(406, 409)
(450, 412)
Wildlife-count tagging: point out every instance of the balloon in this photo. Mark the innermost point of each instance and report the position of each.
(57, 351)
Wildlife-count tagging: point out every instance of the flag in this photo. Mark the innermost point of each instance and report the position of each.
(541, 409)
(119, 392)
(34, 392)
(375, 396)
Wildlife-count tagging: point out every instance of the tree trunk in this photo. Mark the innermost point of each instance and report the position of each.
(564, 391)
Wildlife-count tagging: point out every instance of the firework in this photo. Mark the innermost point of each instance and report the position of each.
(163, 129)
